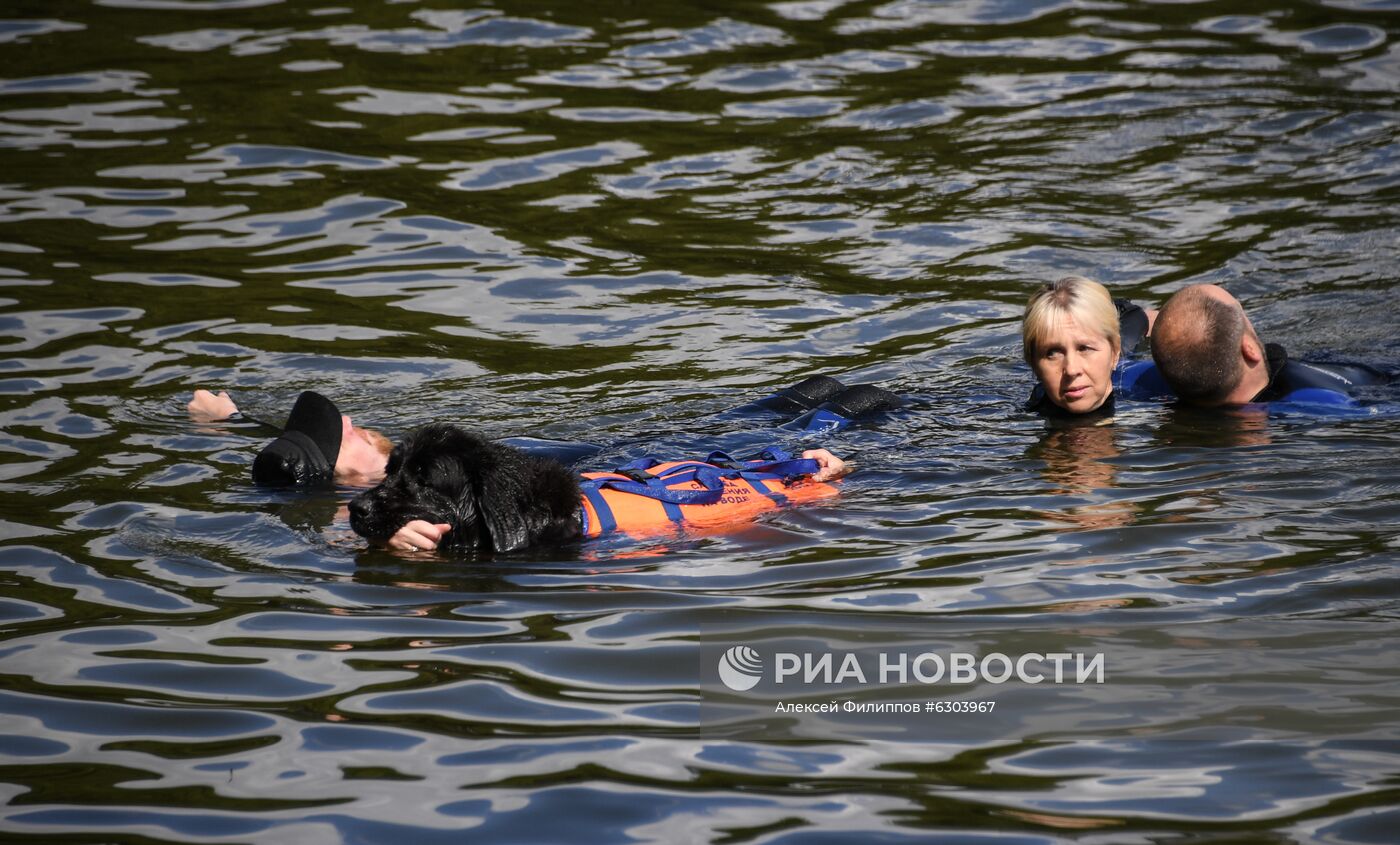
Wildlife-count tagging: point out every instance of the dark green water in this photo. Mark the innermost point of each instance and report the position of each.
(615, 223)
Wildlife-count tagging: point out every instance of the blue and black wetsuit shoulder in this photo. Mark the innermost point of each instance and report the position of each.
(1288, 379)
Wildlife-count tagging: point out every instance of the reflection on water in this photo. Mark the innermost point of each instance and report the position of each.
(1078, 462)
(618, 225)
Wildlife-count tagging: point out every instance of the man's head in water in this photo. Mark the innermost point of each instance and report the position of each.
(363, 455)
(320, 444)
(1206, 348)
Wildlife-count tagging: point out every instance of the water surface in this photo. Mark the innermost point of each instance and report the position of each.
(616, 225)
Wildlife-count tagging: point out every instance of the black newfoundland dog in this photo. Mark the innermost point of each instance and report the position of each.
(496, 497)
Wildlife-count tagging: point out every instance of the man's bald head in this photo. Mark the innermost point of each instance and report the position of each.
(1196, 343)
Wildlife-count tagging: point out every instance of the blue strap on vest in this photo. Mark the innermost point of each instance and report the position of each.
(760, 470)
(655, 486)
(606, 523)
(761, 485)
(769, 462)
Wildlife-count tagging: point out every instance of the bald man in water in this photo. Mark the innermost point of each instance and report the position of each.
(1208, 351)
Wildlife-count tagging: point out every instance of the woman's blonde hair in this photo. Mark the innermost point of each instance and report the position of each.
(1082, 299)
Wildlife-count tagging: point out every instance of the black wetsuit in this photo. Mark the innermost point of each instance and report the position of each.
(1286, 376)
(823, 403)
(1040, 403)
(1132, 325)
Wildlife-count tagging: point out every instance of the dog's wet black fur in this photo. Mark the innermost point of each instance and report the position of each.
(496, 497)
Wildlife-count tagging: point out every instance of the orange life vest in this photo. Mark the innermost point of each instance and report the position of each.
(649, 497)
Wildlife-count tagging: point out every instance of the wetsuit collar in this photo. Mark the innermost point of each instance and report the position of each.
(1276, 358)
(1040, 403)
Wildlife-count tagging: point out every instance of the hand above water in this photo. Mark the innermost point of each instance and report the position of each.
(419, 536)
(830, 466)
(206, 407)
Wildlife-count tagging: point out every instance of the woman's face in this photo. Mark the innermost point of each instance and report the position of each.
(1075, 367)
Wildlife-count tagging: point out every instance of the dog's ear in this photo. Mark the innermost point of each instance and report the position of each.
(505, 523)
(491, 501)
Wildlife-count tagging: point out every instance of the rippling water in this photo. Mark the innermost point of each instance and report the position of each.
(614, 224)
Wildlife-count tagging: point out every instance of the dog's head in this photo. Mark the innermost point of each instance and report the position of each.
(495, 497)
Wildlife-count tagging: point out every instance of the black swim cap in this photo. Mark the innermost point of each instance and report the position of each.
(309, 445)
